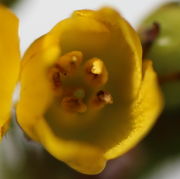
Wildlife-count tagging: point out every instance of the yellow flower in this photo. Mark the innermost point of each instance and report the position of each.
(86, 95)
(9, 64)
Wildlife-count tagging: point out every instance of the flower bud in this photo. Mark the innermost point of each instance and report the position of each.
(164, 49)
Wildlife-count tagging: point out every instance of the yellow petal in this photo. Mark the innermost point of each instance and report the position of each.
(9, 63)
(36, 92)
(80, 156)
(144, 111)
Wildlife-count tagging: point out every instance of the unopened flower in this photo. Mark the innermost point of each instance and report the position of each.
(86, 95)
(164, 50)
(9, 64)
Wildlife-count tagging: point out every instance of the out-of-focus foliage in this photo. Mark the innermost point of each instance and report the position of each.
(163, 142)
(9, 2)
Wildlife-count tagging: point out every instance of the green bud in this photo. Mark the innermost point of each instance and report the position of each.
(164, 50)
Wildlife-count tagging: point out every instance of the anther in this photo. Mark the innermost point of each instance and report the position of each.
(73, 105)
(97, 67)
(54, 76)
(74, 59)
(56, 79)
(96, 74)
(104, 97)
(101, 99)
(69, 62)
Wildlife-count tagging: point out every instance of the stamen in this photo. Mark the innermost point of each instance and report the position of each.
(74, 59)
(96, 74)
(73, 105)
(97, 67)
(69, 62)
(56, 79)
(101, 99)
(54, 76)
(105, 97)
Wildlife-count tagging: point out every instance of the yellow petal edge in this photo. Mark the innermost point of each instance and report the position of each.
(9, 64)
(132, 82)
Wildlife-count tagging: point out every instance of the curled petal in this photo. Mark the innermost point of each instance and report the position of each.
(144, 111)
(81, 156)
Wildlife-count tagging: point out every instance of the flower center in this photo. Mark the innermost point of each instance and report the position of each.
(80, 83)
